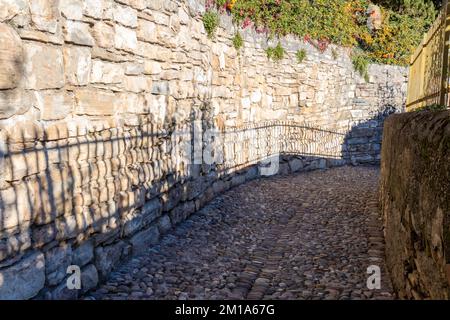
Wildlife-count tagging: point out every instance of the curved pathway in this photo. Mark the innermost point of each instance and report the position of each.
(304, 236)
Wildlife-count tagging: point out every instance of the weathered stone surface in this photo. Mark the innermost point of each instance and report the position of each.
(94, 102)
(415, 202)
(72, 9)
(15, 102)
(56, 262)
(138, 84)
(24, 279)
(106, 72)
(151, 210)
(106, 258)
(295, 165)
(103, 34)
(12, 8)
(61, 292)
(164, 224)
(144, 239)
(15, 208)
(83, 254)
(43, 234)
(133, 223)
(147, 31)
(152, 67)
(55, 105)
(13, 245)
(125, 38)
(77, 63)
(125, 15)
(44, 68)
(95, 8)
(182, 212)
(79, 33)
(11, 58)
(44, 14)
(89, 278)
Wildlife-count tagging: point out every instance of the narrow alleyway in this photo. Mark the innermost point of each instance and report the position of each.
(305, 236)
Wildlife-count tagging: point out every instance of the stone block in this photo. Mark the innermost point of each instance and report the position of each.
(160, 87)
(56, 262)
(125, 15)
(15, 206)
(182, 212)
(237, 180)
(44, 67)
(147, 31)
(108, 257)
(43, 234)
(77, 65)
(95, 9)
(171, 199)
(11, 58)
(89, 278)
(103, 34)
(72, 9)
(24, 279)
(61, 292)
(14, 244)
(83, 254)
(125, 39)
(164, 224)
(55, 105)
(144, 239)
(295, 165)
(45, 14)
(133, 222)
(137, 84)
(12, 8)
(151, 210)
(15, 102)
(107, 72)
(78, 33)
(95, 102)
(152, 67)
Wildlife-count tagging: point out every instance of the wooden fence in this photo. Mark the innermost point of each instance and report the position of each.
(428, 76)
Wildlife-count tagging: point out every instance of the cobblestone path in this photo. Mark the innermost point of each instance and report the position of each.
(304, 236)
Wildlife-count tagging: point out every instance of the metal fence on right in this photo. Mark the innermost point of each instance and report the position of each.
(428, 76)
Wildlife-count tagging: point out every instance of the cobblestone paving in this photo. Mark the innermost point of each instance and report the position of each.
(305, 236)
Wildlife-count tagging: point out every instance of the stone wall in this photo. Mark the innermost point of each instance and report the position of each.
(96, 98)
(415, 197)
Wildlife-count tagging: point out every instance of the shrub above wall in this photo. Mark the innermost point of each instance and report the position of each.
(387, 34)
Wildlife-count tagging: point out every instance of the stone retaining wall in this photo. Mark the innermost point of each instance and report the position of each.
(415, 197)
(95, 98)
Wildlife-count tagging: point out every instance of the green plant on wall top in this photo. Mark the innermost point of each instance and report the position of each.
(342, 22)
(432, 107)
(238, 42)
(211, 23)
(300, 55)
(275, 53)
(361, 64)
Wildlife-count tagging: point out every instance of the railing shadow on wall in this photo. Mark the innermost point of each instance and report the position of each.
(67, 188)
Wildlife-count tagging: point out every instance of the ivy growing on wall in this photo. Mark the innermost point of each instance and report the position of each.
(342, 22)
